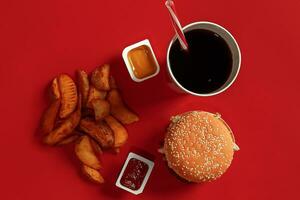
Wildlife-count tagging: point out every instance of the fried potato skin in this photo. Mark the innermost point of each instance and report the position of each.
(92, 174)
(100, 77)
(65, 128)
(69, 95)
(118, 108)
(49, 117)
(120, 133)
(101, 109)
(99, 131)
(95, 94)
(96, 147)
(54, 90)
(68, 140)
(58, 134)
(112, 83)
(89, 115)
(83, 85)
(85, 153)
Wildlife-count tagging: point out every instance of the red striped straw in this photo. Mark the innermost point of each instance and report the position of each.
(176, 24)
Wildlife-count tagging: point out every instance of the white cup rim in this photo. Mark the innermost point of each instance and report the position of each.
(214, 92)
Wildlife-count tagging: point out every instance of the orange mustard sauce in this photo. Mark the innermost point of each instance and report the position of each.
(142, 61)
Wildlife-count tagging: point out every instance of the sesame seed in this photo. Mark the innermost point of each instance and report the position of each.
(197, 144)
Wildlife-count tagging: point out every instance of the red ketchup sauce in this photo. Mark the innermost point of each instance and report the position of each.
(134, 174)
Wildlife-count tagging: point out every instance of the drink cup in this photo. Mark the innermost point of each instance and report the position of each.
(178, 78)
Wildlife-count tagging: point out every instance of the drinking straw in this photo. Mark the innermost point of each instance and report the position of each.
(176, 24)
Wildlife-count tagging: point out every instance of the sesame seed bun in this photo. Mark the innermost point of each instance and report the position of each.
(199, 146)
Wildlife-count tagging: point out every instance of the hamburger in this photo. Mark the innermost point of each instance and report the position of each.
(199, 146)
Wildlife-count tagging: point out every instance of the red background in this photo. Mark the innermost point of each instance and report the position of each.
(40, 39)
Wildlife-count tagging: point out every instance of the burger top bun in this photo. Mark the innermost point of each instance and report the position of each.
(199, 146)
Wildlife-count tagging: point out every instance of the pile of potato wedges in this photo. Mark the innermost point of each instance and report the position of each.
(88, 112)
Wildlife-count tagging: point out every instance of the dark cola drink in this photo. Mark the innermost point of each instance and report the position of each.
(207, 64)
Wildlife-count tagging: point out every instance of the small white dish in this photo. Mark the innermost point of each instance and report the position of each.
(125, 52)
(150, 165)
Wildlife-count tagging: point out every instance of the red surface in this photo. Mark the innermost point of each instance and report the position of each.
(39, 39)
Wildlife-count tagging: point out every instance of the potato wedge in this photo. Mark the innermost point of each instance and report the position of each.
(100, 77)
(118, 108)
(95, 94)
(96, 147)
(68, 95)
(120, 133)
(101, 109)
(58, 122)
(61, 132)
(85, 153)
(112, 83)
(65, 128)
(49, 117)
(92, 174)
(68, 140)
(100, 132)
(54, 90)
(83, 85)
